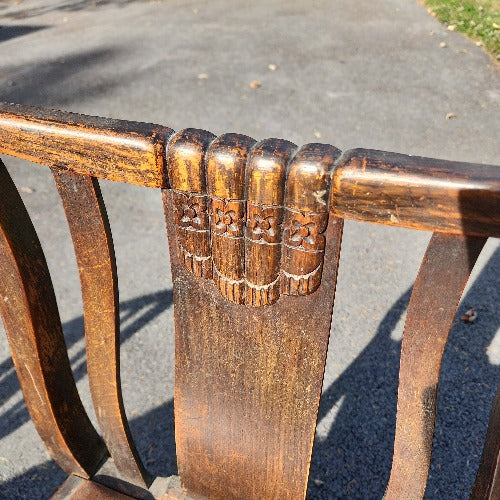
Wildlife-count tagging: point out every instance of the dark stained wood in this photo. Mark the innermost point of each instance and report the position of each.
(226, 162)
(265, 191)
(93, 243)
(247, 383)
(187, 174)
(444, 272)
(306, 218)
(111, 149)
(419, 193)
(31, 319)
(487, 484)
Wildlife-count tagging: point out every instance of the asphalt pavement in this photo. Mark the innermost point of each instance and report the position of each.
(379, 74)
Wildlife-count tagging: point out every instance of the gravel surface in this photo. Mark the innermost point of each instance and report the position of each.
(370, 73)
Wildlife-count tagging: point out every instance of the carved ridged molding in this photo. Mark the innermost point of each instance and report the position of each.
(248, 215)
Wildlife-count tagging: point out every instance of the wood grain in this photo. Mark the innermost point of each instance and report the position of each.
(419, 193)
(187, 174)
(487, 484)
(247, 383)
(306, 218)
(265, 190)
(226, 164)
(443, 274)
(31, 319)
(117, 150)
(93, 243)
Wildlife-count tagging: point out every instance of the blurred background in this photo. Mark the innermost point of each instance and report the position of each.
(382, 74)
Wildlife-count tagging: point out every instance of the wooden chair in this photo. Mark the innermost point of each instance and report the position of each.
(254, 230)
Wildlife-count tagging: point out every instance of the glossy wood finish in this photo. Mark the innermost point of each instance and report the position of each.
(487, 484)
(226, 164)
(187, 175)
(419, 193)
(248, 383)
(265, 192)
(117, 150)
(306, 218)
(93, 243)
(254, 235)
(444, 272)
(31, 319)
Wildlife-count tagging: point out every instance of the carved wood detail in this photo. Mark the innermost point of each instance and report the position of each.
(186, 160)
(249, 215)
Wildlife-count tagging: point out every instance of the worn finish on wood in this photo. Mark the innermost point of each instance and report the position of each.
(226, 161)
(419, 193)
(111, 149)
(187, 175)
(248, 383)
(93, 243)
(306, 218)
(487, 484)
(265, 191)
(76, 488)
(444, 272)
(31, 319)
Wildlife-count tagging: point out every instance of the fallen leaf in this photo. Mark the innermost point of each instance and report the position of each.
(202, 76)
(26, 189)
(255, 84)
(272, 67)
(452, 27)
(469, 316)
(443, 45)
(317, 134)
(450, 116)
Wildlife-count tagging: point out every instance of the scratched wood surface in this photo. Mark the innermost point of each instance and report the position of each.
(254, 236)
(248, 383)
(93, 243)
(117, 150)
(443, 274)
(419, 193)
(31, 319)
(248, 365)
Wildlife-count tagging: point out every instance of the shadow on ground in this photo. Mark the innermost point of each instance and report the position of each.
(354, 460)
(31, 10)
(8, 32)
(59, 81)
(42, 480)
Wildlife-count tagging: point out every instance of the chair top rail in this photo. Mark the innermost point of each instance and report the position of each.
(368, 185)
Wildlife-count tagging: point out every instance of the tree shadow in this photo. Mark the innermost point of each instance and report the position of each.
(41, 481)
(20, 12)
(354, 460)
(59, 81)
(8, 32)
(141, 311)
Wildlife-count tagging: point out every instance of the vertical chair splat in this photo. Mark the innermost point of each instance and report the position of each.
(31, 319)
(92, 240)
(443, 274)
(247, 379)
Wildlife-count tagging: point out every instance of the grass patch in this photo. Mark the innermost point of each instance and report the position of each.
(478, 19)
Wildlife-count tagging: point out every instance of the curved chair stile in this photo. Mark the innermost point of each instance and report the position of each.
(93, 244)
(31, 319)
